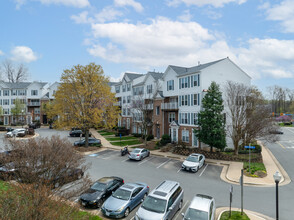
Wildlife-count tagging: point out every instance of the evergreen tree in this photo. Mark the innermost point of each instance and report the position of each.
(211, 119)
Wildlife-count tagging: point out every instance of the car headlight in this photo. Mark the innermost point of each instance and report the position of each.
(93, 201)
(119, 210)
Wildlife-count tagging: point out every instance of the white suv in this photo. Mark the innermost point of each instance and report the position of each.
(20, 132)
(202, 207)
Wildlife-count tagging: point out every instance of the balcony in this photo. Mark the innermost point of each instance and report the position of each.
(117, 103)
(34, 104)
(148, 106)
(169, 106)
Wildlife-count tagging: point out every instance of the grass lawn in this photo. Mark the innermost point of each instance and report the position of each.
(235, 216)
(285, 125)
(3, 186)
(254, 167)
(122, 138)
(106, 133)
(125, 143)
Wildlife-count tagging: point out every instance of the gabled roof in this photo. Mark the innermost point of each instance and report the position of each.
(133, 76)
(21, 85)
(112, 83)
(185, 71)
(156, 75)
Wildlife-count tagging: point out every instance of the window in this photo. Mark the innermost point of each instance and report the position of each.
(185, 136)
(34, 92)
(171, 117)
(5, 101)
(170, 85)
(129, 99)
(128, 123)
(157, 110)
(195, 80)
(194, 117)
(184, 82)
(138, 90)
(0, 92)
(14, 92)
(184, 118)
(22, 92)
(149, 89)
(134, 128)
(37, 111)
(6, 111)
(12, 101)
(195, 99)
(128, 87)
(124, 111)
(124, 88)
(128, 111)
(124, 100)
(117, 89)
(184, 100)
(6, 92)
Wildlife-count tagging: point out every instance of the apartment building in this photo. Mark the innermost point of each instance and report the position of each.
(173, 97)
(31, 94)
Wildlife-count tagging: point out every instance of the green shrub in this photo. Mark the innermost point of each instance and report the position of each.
(165, 139)
(149, 137)
(137, 135)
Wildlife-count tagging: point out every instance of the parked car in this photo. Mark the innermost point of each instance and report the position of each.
(276, 131)
(20, 132)
(100, 191)
(139, 154)
(193, 162)
(201, 207)
(9, 129)
(92, 142)
(162, 203)
(7, 171)
(125, 199)
(35, 125)
(77, 133)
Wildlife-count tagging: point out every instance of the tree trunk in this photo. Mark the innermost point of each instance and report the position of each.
(236, 148)
(210, 149)
(87, 138)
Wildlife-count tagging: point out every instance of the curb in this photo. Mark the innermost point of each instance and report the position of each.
(251, 214)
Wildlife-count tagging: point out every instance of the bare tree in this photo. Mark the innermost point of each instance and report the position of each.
(13, 73)
(249, 116)
(46, 162)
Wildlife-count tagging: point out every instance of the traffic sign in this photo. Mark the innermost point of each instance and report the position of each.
(249, 147)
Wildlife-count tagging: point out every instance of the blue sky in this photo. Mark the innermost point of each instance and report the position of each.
(131, 35)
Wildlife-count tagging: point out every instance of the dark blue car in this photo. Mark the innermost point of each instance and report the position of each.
(125, 199)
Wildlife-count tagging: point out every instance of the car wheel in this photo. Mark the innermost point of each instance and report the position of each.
(127, 212)
(148, 154)
(197, 168)
(99, 203)
(181, 204)
(141, 158)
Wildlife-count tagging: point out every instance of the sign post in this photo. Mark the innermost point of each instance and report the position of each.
(241, 183)
(231, 199)
(249, 147)
(120, 139)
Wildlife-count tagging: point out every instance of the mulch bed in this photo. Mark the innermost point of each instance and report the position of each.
(258, 174)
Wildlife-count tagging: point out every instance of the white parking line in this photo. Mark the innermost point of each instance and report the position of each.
(290, 130)
(203, 170)
(125, 160)
(179, 170)
(163, 163)
(180, 211)
(145, 161)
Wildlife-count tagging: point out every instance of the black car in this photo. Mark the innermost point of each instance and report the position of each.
(9, 129)
(92, 142)
(100, 191)
(276, 131)
(77, 133)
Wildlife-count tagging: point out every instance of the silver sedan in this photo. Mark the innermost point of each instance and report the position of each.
(139, 154)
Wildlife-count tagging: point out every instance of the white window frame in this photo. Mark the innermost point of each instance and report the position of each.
(185, 136)
(171, 117)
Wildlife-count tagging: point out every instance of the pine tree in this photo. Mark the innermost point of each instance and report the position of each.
(211, 119)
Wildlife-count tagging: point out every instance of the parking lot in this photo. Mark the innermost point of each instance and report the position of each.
(153, 170)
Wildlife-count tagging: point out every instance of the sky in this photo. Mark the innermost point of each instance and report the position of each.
(49, 36)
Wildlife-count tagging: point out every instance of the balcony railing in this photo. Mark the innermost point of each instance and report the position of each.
(149, 106)
(34, 104)
(169, 106)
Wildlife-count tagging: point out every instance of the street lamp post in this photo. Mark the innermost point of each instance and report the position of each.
(277, 178)
(22, 118)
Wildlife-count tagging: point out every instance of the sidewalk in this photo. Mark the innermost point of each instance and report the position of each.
(251, 215)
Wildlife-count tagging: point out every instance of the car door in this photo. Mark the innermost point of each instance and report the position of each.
(136, 197)
(201, 160)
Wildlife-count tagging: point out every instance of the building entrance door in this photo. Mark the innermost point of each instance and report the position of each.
(157, 133)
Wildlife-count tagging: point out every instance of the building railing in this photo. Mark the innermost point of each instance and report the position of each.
(149, 106)
(169, 106)
(34, 104)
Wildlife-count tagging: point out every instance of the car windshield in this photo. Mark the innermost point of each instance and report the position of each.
(98, 186)
(136, 151)
(154, 204)
(192, 159)
(122, 194)
(196, 214)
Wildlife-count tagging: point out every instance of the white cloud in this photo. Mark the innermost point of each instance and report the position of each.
(73, 3)
(82, 18)
(136, 5)
(214, 3)
(23, 54)
(1, 53)
(163, 42)
(283, 12)
(108, 14)
(186, 16)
